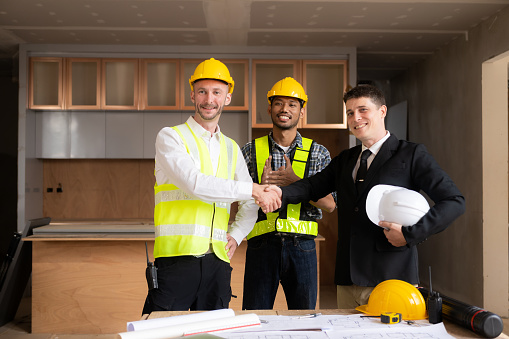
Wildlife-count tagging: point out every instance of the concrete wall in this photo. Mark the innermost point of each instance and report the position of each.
(445, 112)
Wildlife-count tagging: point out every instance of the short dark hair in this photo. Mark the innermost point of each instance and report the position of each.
(365, 91)
(271, 99)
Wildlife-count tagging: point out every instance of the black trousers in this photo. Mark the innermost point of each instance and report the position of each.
(190, 283)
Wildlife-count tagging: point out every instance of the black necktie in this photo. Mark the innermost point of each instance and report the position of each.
(363, 167)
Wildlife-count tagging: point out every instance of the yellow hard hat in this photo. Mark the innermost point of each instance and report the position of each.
(288, 87)
(396, 296)
(212, 69)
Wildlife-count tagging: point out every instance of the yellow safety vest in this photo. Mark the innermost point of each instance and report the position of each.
(294, 222)
(185, 225)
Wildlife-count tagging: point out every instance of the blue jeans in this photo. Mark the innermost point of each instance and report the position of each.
(271, 259)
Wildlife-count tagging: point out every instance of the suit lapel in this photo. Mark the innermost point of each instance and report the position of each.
(385, 153)
(352, 160)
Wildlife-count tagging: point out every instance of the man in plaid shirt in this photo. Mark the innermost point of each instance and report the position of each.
(281, 246)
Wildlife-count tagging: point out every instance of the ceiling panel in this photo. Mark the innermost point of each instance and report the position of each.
(382, 42)
(386, 33)
(103, 13)
(400, 15)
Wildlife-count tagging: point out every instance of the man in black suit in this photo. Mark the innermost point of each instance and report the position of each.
(368, 254)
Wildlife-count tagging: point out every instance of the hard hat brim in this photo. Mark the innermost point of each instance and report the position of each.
(373, 201)
(364, 309)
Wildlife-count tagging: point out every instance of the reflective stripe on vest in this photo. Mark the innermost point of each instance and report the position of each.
(185, 225)
(293, 222)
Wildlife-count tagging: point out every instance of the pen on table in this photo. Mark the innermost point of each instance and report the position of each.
(312, 315)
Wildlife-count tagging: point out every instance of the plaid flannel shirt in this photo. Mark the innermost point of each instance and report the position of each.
(319, 158)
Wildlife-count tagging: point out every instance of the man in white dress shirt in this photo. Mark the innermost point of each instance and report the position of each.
(199, 173)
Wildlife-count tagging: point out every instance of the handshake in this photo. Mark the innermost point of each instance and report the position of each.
(268, 197)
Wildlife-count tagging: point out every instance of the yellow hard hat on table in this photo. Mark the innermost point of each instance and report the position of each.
(396, 296)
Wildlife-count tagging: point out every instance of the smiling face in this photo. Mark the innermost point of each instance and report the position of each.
(209, 98)
(285, 112)
(366, 120)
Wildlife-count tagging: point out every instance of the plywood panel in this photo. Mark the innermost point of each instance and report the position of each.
(86, 286)
(95, 189)
(147, 182)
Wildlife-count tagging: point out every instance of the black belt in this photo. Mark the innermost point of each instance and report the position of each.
(294, 235)
(167, 261)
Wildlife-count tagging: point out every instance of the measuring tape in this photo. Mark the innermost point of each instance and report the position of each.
(390, 318)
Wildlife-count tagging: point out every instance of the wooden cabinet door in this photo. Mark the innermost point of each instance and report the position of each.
(119, 85)
(160, 88)
(265, 74)
(325, 82)
(83, 88)
(46, 83)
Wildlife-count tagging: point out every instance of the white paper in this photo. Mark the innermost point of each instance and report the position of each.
(291, 323)
(179, 319)
(208, 326)
(358, 321)
(437, 331)
(274, 335)
(338, 327)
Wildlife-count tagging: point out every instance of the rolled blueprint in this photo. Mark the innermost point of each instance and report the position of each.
(207, 326)
(179, 319)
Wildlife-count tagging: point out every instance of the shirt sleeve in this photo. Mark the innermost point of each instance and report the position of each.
(173, 165)
(248, 210)
(323, 160)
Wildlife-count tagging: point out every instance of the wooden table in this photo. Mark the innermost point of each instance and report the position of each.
(88, 284)
(93, 282)
(453, 329)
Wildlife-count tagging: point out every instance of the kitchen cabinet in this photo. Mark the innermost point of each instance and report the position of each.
(124, 135)
(83, 79)
(265, 74)
(160, 88)
(87, 132)
(238, 71)
(100, 135)
(123, 84)
(46, 83)
(153, 123)
(52, 135)
(323, 80)
(119, 85)
(88, 83)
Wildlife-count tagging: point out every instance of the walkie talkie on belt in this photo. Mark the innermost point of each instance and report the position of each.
(150, 272)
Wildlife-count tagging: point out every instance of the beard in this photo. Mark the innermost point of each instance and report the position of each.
(219, 110)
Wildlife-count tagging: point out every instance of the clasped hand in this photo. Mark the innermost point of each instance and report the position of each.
(268, 197)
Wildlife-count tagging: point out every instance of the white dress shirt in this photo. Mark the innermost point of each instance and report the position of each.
(173, 165)
(374, 150)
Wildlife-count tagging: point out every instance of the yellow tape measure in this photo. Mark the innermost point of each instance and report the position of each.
(390, 318)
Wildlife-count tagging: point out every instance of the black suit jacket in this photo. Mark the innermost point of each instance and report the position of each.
(364, 255)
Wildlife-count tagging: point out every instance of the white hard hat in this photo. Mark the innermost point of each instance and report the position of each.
(395, 204)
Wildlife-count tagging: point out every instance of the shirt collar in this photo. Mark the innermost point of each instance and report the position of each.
(199, 130)
(377, 145)
(297, 142)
